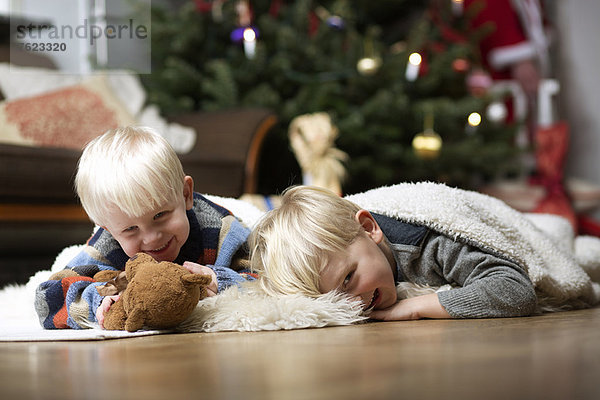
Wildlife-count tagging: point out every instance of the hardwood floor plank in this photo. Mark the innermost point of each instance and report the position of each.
(554, 356)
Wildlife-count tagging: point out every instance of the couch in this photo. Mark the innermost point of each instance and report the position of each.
(40, 214)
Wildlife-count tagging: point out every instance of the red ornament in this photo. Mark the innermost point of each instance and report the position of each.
(424, 66)
(274, 8)
(203, 6)
(551, 150)
(461, 65)
(313, 24)
(244, 13)
(479, 82)
(437, 47)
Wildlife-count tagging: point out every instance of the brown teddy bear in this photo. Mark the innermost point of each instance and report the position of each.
(157, 295)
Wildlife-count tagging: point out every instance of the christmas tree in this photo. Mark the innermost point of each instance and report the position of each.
(430, 118)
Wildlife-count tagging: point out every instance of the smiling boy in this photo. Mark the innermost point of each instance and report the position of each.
(132, 185)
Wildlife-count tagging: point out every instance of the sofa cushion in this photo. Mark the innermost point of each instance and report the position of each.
(67, 118)
(18, 81)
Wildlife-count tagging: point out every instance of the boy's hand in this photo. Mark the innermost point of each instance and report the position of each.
(194, 268)
(107, 301)
(427, 306)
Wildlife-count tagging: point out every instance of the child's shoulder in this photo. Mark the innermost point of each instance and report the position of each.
(401, 232)
(204, 205)
(104, 248)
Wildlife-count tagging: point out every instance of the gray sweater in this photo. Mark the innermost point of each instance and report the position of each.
(485, 285)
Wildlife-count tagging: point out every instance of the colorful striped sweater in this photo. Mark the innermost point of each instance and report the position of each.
(216, 239)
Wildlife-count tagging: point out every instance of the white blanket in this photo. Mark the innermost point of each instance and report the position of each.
(535, 242)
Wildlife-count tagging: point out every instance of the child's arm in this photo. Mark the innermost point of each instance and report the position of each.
(223, 277)
(427, 306)
(194, 268)
(486, 285)
(69, 299)
(231, 266)
(103, 308)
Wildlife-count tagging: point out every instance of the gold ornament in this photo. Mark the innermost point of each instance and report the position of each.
(427, 144)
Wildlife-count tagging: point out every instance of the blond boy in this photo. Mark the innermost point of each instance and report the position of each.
(316, 242)
(132, 185)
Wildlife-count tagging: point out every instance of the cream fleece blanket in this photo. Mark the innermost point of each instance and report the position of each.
(535, 242)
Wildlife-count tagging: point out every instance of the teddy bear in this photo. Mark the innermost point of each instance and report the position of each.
(154, 294)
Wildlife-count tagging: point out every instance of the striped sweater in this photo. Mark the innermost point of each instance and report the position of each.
(216, 239)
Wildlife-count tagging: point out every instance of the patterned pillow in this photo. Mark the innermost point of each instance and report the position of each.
(69, 117)
(17, 82)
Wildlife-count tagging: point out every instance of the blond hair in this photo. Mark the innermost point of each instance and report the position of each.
(132, 168)
(292, 243)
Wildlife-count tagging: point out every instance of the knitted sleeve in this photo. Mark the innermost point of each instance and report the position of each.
(69, 299)
(485, 285)
(231, 265)
(227, 277)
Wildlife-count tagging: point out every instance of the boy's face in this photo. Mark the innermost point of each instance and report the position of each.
(364, 269)
(160, 233)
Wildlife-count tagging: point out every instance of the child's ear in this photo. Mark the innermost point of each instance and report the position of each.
(368, 223)
(188, 192)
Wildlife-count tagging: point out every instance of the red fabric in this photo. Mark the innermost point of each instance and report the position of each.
(209, 256)
(67, 118)
(274, 8)
(588, 226)
(313, 24)
(551, 149)
(552, 143)
(203, 6)
(507, 29)
(60, 318)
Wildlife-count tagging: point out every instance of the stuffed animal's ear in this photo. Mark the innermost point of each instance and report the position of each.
(113, 286)
(135, 319)
(133, 263)
(106, 275)
(196, 279)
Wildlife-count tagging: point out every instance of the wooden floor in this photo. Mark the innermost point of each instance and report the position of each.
(553, 356)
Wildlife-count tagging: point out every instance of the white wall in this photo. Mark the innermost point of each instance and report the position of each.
(578, 70)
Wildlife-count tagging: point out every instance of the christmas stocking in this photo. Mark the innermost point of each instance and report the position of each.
(551, 149)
